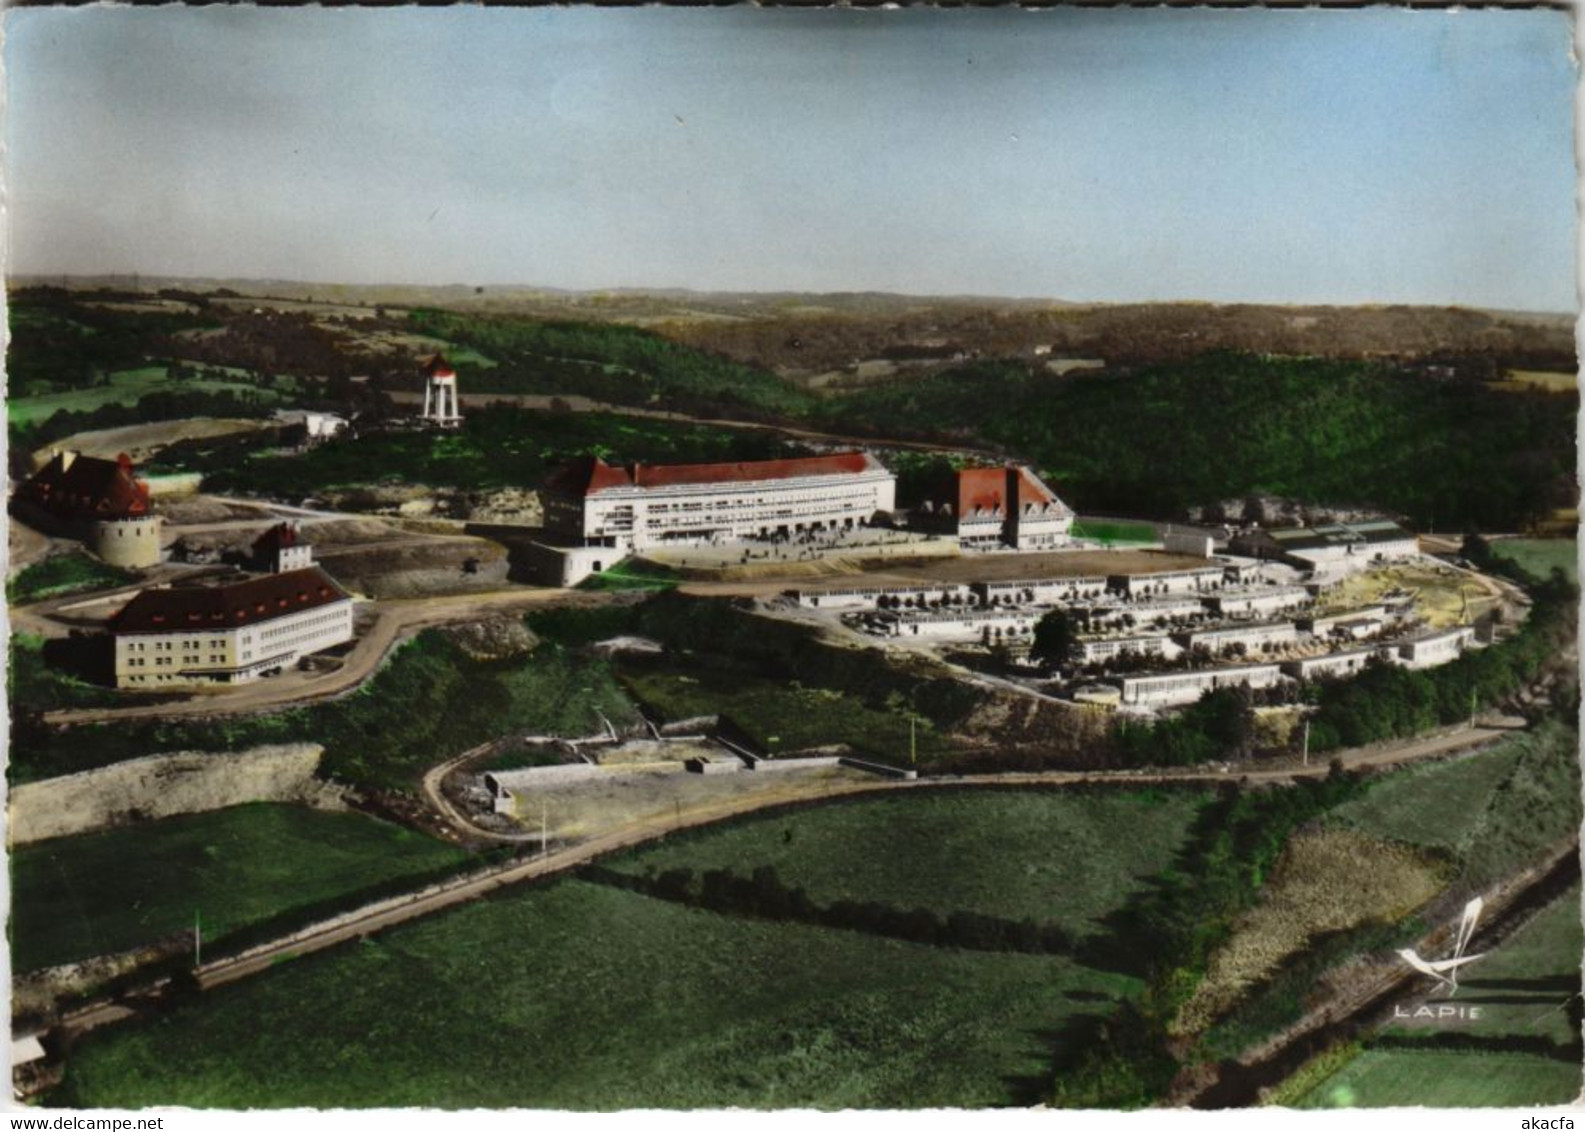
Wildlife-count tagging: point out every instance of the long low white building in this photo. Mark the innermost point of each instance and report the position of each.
(1109, 648)
(878, 597)
(1197, 580)
(978, 624)
(1349, 662)
(1170, 688)
(1257, 602)
(1432, 649)
(1250, 636)
(1041, 590)
(643, 506)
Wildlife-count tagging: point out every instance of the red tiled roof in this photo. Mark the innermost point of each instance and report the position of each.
(984, 492)
(86, 487)
(439, 367)
(981, 490)
(250, 602)
(590, 474)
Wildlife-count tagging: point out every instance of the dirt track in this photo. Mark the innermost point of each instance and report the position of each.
(394, 620)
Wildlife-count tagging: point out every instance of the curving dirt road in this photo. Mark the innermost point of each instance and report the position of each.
(395, 619)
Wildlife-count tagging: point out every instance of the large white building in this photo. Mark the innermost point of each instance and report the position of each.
(1171, 688)
(232, 633)
(592, 503)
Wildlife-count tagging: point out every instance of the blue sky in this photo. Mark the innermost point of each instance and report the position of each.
(1340, 156)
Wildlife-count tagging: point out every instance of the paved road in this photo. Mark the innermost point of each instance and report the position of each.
(394, 620)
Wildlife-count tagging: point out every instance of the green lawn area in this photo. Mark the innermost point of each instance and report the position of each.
(580, 996)
(125, 387)
(1539, 555)
(98, 893)
(61, 575)
(1492, 812)
(779, 715)
(1054, 857)
(429, 701)
(1116, 532)
(632, 574)
(1435, 804)
(38, 684)
(1397, 1078)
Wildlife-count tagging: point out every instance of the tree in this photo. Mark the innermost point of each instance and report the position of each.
(1054, 638)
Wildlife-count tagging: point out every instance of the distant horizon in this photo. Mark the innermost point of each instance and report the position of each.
(45, 278)
(1288, 157)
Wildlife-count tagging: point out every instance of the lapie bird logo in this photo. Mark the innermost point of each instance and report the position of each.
(1445, 971)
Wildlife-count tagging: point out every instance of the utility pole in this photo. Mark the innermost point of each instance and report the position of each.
(1472, 707)
(1307, 742)
(913, 741)
(544, 829)
(198, 941)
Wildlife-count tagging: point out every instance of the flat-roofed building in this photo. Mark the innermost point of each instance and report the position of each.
(1331, 546)
(1257, 602)
(985, 625)
(883, 597)
(1433, 649)
(1046, 591)
(230, 633)
(592, 503)
(1007, 508)
(1200, 579)
(1273, 635)
(1101, 649)
(1167, 689)
(1349, 662)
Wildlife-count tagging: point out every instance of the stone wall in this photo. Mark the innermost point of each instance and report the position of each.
(164, 785)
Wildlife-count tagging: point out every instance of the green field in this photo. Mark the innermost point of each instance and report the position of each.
(99, 893)
(580, 996)
(63, 574)
(429, 701)
(1539, 555)
(124, 388)
(1437, 805)
(1413, 1078)
(1116, 533)
(1053, 857)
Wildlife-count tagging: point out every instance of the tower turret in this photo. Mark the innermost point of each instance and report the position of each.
(440, 393)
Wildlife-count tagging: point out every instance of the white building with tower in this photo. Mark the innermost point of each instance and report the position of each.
(440, 394)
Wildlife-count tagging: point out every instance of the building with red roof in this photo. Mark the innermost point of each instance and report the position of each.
(591, 503)
(1006, 508)
(228, 633)
(101, 502)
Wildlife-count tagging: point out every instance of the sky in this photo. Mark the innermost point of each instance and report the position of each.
(1345, 156)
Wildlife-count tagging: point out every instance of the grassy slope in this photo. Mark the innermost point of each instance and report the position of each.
(778, 715)
(1401, 1079)
(125, 388)
(428, 702)
(580, 996)
(1539, 555)
(104, 892)
(1053, 857)
(1397, 806)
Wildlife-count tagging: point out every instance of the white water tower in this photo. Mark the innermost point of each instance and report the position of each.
(440, 393)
